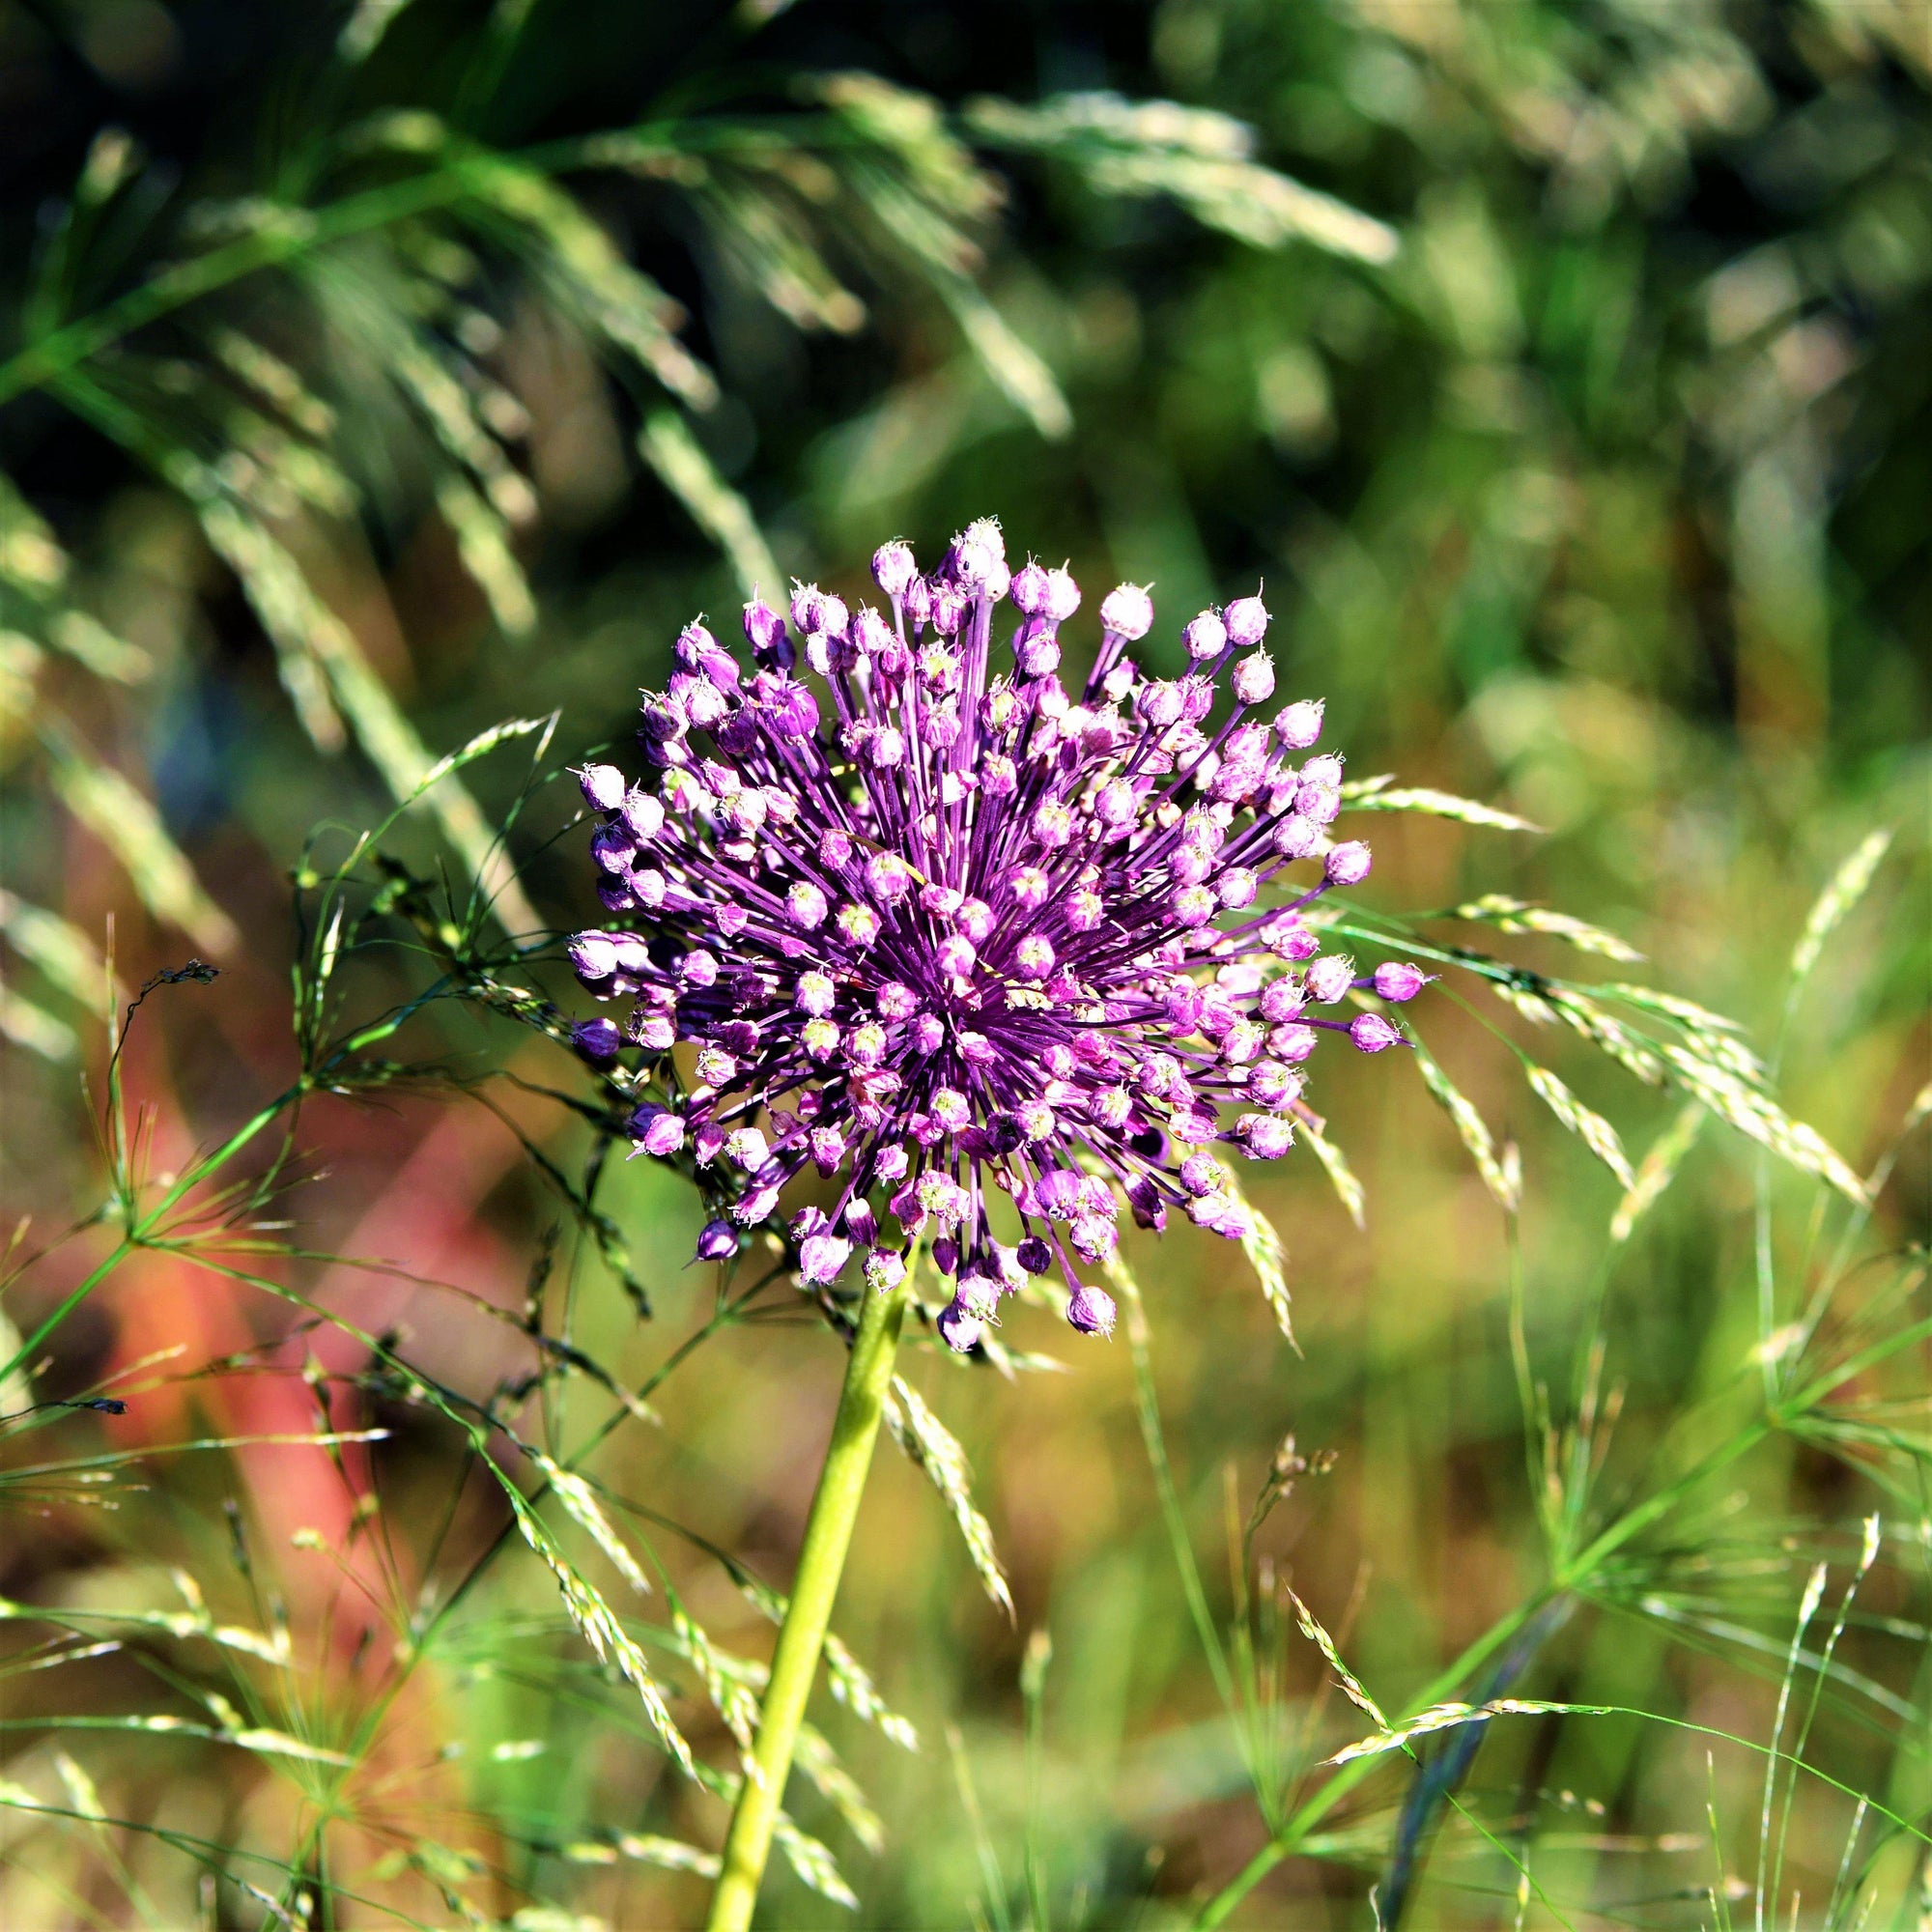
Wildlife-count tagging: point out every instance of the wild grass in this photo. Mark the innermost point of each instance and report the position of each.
(380, 1716)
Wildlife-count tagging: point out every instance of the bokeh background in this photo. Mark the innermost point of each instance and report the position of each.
(1563, 372)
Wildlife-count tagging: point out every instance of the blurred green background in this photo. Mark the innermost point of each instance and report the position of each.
(1564, 373)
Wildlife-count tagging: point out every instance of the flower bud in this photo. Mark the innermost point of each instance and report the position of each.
(1247, 621)
(1397, 980)
(959, 1328)
(1158, 704)
(656, 1129)
(1205, 636)
(662, 716)
(872, 634)
(1264, 1136)
(1253, 679)
(1036, 653)
(593, 956)
(716, 1241)
(1149, 1210)
(820, 1257)
(893, 569)
(1063, 595)
(765, 632)
(806, 906)
(1371, 1033)
(885, 1270)
(1299, 724)
(643, 815)
(807, 603)
(1330, 977)
(692, 645)
(597, 1040)
(612, 847)
(1127, 611)
(603, 786)
(1348, 863)
(1283, 999)
(1091, 1310)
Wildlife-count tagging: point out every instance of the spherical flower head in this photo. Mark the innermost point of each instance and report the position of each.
(1346, 864)
(1397, 980)
(1247, 620)
(953, 938)
(1127, 611)
(1371, 1033)
(598, 1041)
(1204, 638)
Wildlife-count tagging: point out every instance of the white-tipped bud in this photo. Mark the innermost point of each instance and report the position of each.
(1127, 611)
(1205, 636)
(1254, 679)
(1299, 724)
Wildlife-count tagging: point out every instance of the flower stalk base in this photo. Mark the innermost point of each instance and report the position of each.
(828, 1536)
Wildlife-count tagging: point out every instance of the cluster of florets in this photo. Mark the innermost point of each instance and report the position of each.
(976, 951)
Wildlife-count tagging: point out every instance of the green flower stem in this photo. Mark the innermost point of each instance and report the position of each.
(827, 1535)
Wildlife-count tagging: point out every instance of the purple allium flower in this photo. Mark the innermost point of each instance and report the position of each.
(940, 928)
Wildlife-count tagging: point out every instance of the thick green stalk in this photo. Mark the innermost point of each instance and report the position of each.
(827, 1535)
